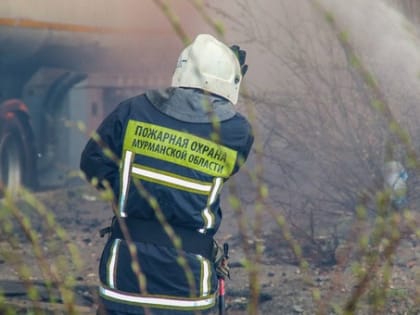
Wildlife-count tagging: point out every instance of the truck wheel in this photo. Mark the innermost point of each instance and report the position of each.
(12, 156)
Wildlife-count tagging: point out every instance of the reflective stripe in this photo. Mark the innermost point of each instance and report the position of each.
(157, 301)
(112, 263)
(206, 213)
(205, 276)
(208, 218)
(125, 181)
(218, 182)
(166, 178)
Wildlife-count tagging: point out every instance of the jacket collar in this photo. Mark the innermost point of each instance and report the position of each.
(191, 105)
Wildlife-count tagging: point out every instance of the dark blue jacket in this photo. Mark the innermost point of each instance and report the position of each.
(165, 154)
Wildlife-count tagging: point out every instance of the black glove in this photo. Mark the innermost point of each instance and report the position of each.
(221, 262)
(241, 55)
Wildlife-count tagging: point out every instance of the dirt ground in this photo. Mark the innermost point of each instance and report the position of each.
(285, 288)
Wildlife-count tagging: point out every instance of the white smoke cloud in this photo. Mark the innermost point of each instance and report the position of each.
(389, 47)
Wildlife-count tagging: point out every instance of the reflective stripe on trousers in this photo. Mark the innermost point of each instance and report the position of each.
(110, 291)
(158, 301)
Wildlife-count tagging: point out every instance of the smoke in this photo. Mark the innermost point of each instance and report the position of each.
(151, 46)
(388, 45)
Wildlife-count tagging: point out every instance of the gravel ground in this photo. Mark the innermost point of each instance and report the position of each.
(284, 287)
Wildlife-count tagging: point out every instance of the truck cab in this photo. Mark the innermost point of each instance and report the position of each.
(63, 67)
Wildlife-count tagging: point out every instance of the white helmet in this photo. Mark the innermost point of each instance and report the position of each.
(210, 65)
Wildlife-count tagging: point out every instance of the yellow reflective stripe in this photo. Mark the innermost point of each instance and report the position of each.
(158, 301)
(171, 179)
(181, 148)
(112, 263)
(125, 181)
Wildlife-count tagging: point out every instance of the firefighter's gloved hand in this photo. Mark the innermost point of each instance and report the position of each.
(241, 55)
(221, 263)
(222, 268)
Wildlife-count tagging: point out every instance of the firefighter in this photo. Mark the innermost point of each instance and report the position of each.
(165, 156)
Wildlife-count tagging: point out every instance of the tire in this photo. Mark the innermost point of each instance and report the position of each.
(14, 155)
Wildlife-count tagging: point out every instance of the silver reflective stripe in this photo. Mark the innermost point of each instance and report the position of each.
(217, 186)
(125, 181)
(157, 300)
(112, 263)
(208, 216)
(165, 178)
(205, 272)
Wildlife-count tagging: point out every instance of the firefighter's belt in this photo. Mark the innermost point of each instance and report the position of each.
(150, 231)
